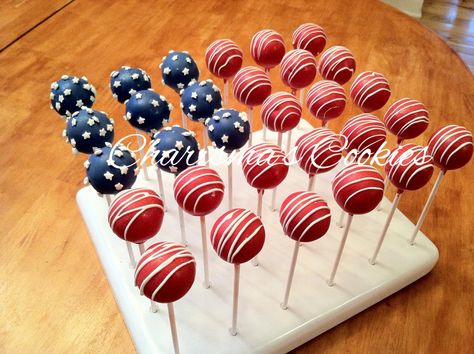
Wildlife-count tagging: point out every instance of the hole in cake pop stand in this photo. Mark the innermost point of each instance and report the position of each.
(203, 316)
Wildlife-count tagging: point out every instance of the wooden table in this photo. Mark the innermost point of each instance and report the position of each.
(54, 296)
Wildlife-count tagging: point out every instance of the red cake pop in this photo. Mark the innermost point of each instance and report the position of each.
(251, 86)
(358, 189)
(318, 151)
(409, 167)
(310, 37)
(370, 91)
(136, 215)
(198, 190)
(237, 236)
(406, 118)
(281, 112)
(305, 216)
(267, 48)
(337, 64)
(166, 272)
(364, 132)
(451, 147)
(224, 58)
(298, 69)
(326, 100)
(265, 166)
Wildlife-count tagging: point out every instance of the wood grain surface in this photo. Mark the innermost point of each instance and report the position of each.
(54, 295)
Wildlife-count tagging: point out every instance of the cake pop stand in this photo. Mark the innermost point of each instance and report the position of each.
(204, 315)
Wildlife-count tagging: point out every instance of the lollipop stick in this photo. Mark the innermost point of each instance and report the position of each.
(325, 123)
(274, 192)
(142, 156)
(174, 332)
(226, 92)
(385, 185)
(230, 187)
(205, 260)
(259, 214)
(108, 199)
(133, 263)
(264, 130)
(141, 247)
(302, 103)
(184, 120)
(311, 182)
(385, 228)
(340, 223)
(235, 300)
(182, 226)
(339, 252)
(288, 142)
(160, 185)
(427, 206)
(250, 116)
(206, 148)
(284, 305)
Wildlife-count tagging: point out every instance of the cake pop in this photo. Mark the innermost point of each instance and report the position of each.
(178, 69)
(370, 91)
(70, 93)
(318, 151)
(251, 87)
(451, 147)
(281, 112)
(357, 189)
(326, 100)
(223, 59)
(165, 274)
(364, 133)
(406, 119)
(310, 37)
(237, 236)
(298, 69)
(409, 167)
(88, 130)
(305, 217)
(127, 81)
(337, 64)
(267, 48)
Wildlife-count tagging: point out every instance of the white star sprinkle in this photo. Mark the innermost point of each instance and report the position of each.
(128, 116)
(123, 170)
(61, 98)
(180, 85)
(108, 175)
(194, 95)
(173, 169)
(132, 92)
(189, 115)
(145, 77)
(116, 83)
(155, 103)
(92, 98)
(86, 164)
(73, 142)
(140, 120)
(170, 107)
(166, 154)
(118, 186)
(188, 59)
(110, 162)
(79, 103)
(114, 73)
(58, 106)
(110, 127)
(227, 115)
(118, 153)
(192, 108)
(243, 116)
(73, 122)
(90, 122)
(236, 125)
(54, 85)
(67, 92)
(185, 71)
(166, 70)
(225, 138)
(135, 76)
(138, 96)
(75, 80)
(209, 98)
(86, 87)
(102, 132)
(164, 122)
(215, 88)
(241, 129)
(174, 58)
(179, 145)
(86, 135)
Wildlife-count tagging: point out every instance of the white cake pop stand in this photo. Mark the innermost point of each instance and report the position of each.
(204, 315)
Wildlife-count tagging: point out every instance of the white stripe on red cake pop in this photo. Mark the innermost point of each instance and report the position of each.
(405, 115)
(293, 63)
(325, 96)
(263, 157)
(247, 80)
(220, 53)
(261, 40)
(335, 61)
(367, 127)
(447, 141)
(367, 85)
(288, 107)
(307, 33)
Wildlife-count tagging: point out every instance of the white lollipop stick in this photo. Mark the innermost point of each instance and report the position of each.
(264, 130)
(226, 92)
(182, 226)
(250, 116)
(174, 332)
(153, 307)
(325, 124)
(184, 120)
(385, 185)
(288, 142)
(385, 228)
(230, 186)
(160, 185)
(311, 180)
(339, 252)
(108, 199)
(259, 214)
(205, 259)
(235, 300)
(143, 165)
(284, 304)
(141, 247)
(133, 263)
(340, 223)
(302, 103)
(274, 192)
(427, 206)
(206, 149)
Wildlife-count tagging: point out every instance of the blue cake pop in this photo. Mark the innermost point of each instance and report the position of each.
(127, 81)
(70, 93)
(148, 111)
(111, 169)
(200, 101)
(178, 69)
(175, 149)
(228, 129)
(88, 130)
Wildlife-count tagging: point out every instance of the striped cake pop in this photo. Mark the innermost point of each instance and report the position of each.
(406, 118)
(337, 64)
(281, 112)
(178, 69)
(364, 133)
(136, 215)
(198, 190)
(267, 48)
(70, 93)
(251, 86)
(311, 37)
(298, 69)
(451, 147)
(326, 100)
(224, 58)
(370, 91)
(127, 81)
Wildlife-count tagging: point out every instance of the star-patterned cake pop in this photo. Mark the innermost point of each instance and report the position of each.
(111, 169)
(88, 130)
(178, 69)
(200, 100)
(70, 94)
(228, 129)
(175, 149)
(127, 81)
(148, 111)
